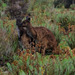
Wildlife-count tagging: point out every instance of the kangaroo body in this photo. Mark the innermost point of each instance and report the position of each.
(42, 36)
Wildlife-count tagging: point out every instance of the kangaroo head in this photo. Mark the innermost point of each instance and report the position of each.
(26, 23)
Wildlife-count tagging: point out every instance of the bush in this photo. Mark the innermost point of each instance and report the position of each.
(56, 32)
(35, 64)
(17, 8)
(57, 3)
(2, 8)
(42, 3)
(65, 20)
(66, 3)
(71, 40)
(72, 6)
(61, 5)
(8, 38)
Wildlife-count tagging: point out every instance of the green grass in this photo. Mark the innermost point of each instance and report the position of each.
(26, 64)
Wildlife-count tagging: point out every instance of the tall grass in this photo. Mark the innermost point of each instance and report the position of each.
(26, 63)
(8, 37)
(51, 65)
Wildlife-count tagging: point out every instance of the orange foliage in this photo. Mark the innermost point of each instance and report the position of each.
(52, 56)
(73, 51)
(15, 62)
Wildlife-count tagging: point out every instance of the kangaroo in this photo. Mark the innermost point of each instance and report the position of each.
(40, 35)
(23, 38)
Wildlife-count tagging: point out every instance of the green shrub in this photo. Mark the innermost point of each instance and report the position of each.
(65, 20)
(56, 32)
(36, 64)
(2, 8)
(41, 4)
(72, 6)
(8, 39)
(71, 40)
(66, 3)
(58, 3)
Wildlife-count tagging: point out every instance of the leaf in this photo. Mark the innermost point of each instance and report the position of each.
(1, 24)
(20, 62)
(29, 73)
(40, 63)
(22, 72)
(28, 61)
(35, 72)
(4, 5)
(9, 67)
(31, 67)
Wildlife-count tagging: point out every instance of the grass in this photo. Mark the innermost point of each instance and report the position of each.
(51, 65)
(24, 63)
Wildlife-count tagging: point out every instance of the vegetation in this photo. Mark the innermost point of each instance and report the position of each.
(60, 21)
(72, 6)
(65, 3)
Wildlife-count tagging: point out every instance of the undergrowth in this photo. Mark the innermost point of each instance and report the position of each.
(51, 65)
(61, 22)
(8, 37)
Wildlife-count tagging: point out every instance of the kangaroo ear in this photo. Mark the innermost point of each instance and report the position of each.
(28, 18)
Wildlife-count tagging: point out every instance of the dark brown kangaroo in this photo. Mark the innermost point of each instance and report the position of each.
(41, 35)
(23, 37)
